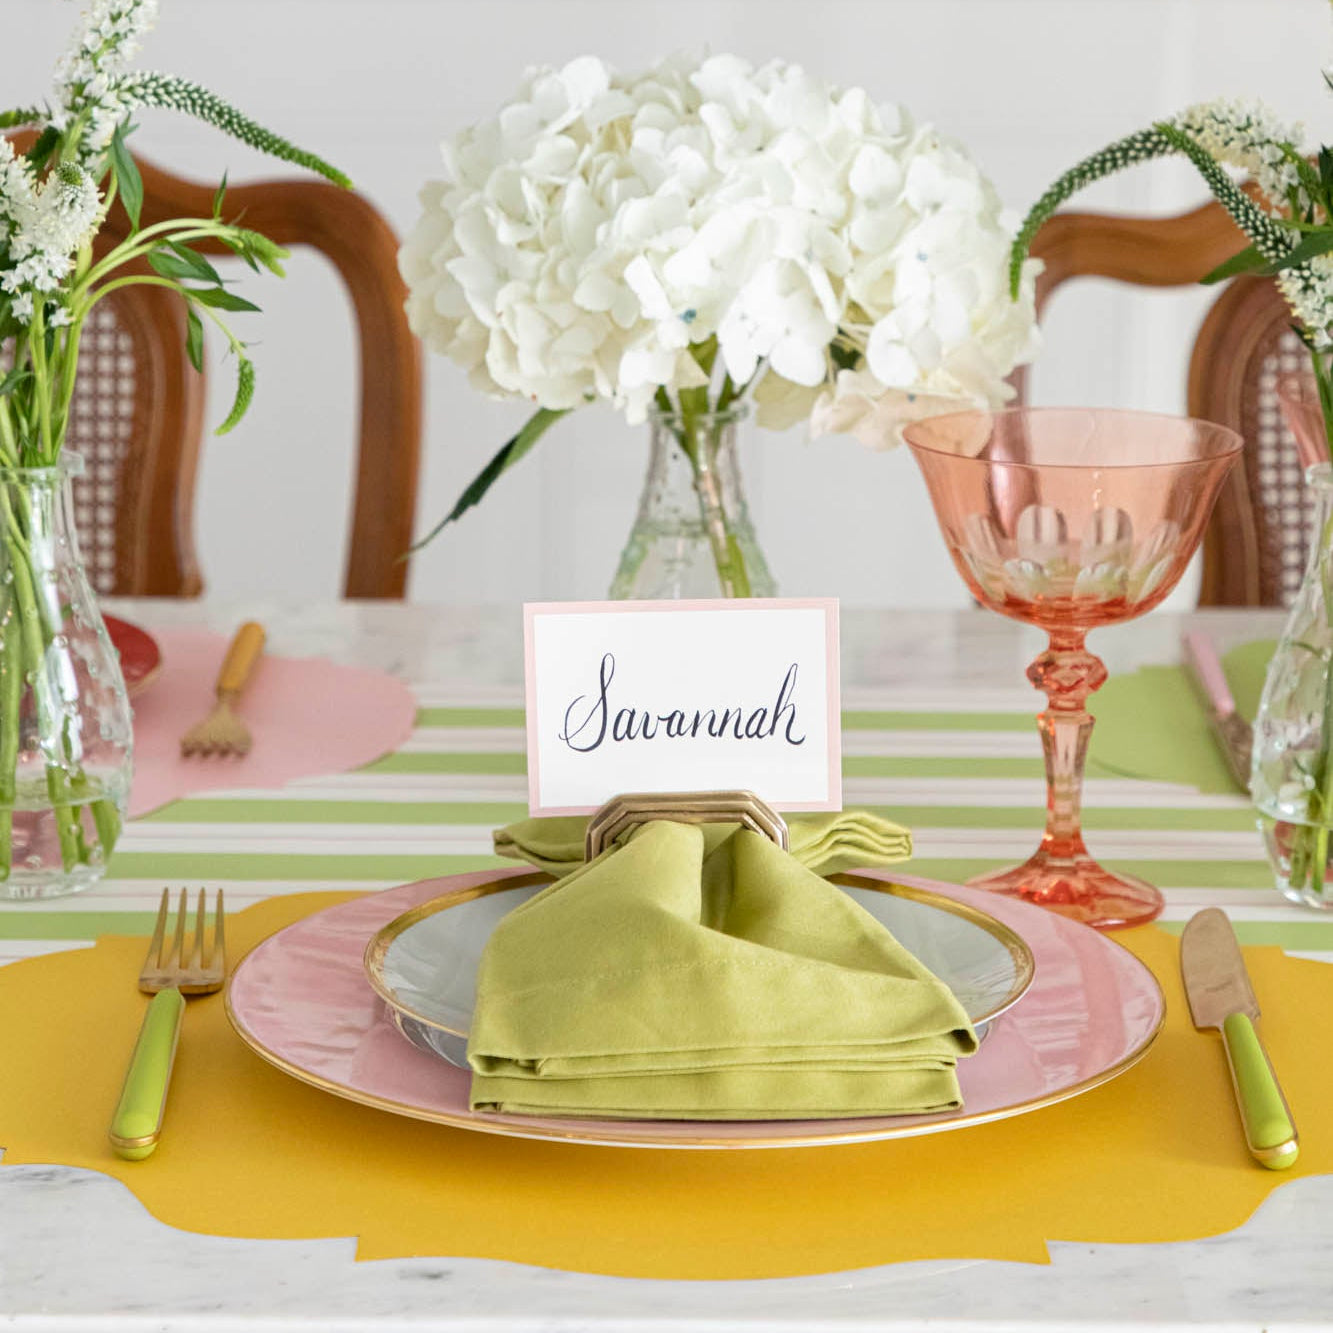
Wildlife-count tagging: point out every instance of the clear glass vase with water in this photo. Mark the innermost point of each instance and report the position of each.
(66, 754)
(692, 535)
(1292, 775)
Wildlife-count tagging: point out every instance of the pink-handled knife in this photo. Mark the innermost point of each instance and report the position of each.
(1233, 733)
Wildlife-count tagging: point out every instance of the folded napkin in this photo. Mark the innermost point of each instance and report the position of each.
(668, 979)
(827, 844)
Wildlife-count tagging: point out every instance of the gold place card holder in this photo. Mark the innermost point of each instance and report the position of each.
(627, 811)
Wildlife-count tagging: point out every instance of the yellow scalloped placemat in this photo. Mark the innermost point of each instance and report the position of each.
(1155, 1155)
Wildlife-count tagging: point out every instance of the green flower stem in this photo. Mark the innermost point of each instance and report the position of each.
(33, 643)
(699, 445)
(147, 239)
(69, 363)
(107, 820)
(41, 401)
(139, 280)
(1324, 382)
(72, 848)
(11, 695)
(27, 642)
(9, 445)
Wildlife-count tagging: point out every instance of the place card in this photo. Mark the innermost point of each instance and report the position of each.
(683, 696)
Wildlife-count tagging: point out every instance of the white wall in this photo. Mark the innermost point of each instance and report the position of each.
(1028, 85)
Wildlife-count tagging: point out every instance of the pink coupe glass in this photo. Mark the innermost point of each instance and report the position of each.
(1070, 519)
(1298, 397)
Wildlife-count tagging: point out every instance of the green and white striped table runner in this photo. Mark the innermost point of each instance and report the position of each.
(962, 769)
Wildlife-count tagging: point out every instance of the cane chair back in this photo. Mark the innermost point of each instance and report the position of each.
(136, 420)
(1255, 546)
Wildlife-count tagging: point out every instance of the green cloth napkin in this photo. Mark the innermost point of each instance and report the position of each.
(827, 844)
(1151, 723)
(670, 980)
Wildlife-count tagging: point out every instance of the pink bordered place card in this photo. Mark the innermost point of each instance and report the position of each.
(683, 696)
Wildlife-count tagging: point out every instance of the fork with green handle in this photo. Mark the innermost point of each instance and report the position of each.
(170, 972)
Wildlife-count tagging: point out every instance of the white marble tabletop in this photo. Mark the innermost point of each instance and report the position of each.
(78, 1252)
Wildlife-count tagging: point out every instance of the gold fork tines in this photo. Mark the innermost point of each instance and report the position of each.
(222, 732)
(170, 971)
(196, 971)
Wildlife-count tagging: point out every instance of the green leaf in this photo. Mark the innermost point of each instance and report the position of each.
(843, 355)
(218, 195)
(1326, 177)
(1247, 260)
(218, 298)
(194, 338)
(256, 248)
(168, 264)
(532, 431)
(43, 146)
(200, 268)
(20, 115)
(128, 181)
(1308, 176)
(13, 379)
(245, 392)
(1316, 244)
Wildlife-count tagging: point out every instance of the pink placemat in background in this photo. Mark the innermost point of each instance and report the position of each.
(308, 716)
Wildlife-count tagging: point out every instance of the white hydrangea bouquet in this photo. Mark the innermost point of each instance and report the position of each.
(709, 232)
(54, 198)
(1287, 217)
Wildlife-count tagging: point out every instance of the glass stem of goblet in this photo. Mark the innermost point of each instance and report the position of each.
(1068, 673)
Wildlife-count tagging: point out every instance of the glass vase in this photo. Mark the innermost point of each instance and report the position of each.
(66, 754)
(692, 536)
(1291, 779)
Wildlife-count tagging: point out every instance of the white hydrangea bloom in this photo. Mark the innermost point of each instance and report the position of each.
(600, 226)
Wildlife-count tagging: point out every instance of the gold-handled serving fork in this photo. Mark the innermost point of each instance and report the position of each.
(170, 971)
(222, 732)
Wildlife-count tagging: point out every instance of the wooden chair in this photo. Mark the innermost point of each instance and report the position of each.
(138, 411)
(1255, 545)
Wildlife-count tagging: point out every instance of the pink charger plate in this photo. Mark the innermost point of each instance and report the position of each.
(301, 1000)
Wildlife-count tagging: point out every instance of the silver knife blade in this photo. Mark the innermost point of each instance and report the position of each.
(1220, 996)
(1216, 983)
(1235, 738)
(1233, 734)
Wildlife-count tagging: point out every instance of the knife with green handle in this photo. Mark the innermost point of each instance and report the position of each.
(1219, 993)
(137, 1123)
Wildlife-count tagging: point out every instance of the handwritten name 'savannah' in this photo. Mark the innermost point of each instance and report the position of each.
(588, 725)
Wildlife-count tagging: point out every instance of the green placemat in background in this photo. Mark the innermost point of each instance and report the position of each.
(1151, 723)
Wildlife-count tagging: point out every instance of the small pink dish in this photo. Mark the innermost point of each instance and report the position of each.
(140, 656)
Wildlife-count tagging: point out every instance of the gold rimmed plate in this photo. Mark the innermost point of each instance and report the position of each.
(302, 1001)
(423, 964)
